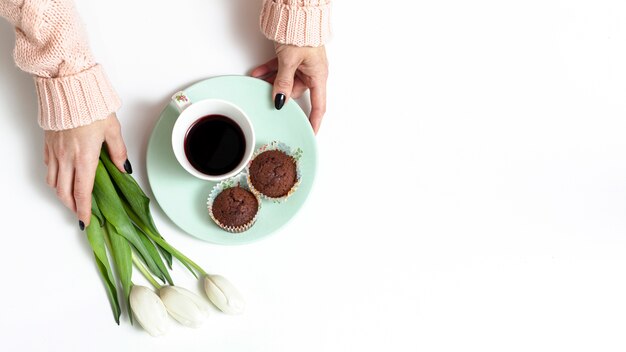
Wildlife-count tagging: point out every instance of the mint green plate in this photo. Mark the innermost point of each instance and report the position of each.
(183, 197)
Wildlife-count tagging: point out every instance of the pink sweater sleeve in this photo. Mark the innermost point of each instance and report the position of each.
(51, 44)
(296, 22)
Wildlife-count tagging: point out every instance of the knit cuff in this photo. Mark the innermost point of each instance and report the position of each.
(11, 10)
(76, 100)
(296, 22)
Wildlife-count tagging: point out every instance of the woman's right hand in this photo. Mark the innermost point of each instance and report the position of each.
(293, 71)
(72, 158)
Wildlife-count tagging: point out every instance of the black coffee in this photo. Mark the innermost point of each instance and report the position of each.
(215, 145)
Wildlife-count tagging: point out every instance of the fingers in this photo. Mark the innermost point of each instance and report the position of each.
(116, 146)
(270, 78)
(283, 84)
(318, 106)
(53, 169)
(72, 159)
(265, 69)
(46, 154)
(84, 176)
(298, 88)
(268, 72)
(65, 185)
(74, 182)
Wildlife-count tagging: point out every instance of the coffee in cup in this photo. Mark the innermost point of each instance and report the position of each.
(212, 139)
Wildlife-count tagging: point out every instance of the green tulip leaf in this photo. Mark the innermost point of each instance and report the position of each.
(160, 241)
(95, 235)
(122, 257)
(134, 196)
(113, 211)
(156, 257)
(96, 211)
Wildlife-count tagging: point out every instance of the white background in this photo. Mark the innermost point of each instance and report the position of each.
(471, 192)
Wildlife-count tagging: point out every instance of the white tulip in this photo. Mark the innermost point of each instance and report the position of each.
(185, 306)
(223, 294)
(148, 310)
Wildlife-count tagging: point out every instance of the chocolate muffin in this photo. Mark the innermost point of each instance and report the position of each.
(273, 173)
(235, 207)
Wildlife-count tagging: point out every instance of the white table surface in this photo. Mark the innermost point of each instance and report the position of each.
(471, 192)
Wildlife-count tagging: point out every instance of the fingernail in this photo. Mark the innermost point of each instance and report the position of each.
(128, 167)
(279, 101)
(81, 225)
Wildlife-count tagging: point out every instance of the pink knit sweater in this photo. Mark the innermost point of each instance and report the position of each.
(73, 89)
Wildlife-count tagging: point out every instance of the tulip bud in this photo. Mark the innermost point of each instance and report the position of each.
(223, 294)
(148, 310)
(185, 306)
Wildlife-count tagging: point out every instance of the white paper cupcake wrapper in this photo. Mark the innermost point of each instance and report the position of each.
(241, 180)
(296, 154)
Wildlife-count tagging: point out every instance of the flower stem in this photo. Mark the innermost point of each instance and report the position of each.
(145, 271)
(161, 242)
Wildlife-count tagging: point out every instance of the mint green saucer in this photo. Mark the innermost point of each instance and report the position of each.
(183, 197)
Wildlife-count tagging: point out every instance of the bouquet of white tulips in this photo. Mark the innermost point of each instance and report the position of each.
(122, 233)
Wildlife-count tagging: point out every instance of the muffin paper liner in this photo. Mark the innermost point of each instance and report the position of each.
(237, 180)
(295, 154)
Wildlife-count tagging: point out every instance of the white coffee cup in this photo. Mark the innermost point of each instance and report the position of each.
(190, 113)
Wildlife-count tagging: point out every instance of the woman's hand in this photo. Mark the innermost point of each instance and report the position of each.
(72, 157)
(292, 72)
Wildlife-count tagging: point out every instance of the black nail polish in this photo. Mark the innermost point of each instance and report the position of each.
(128, 167)
(279, 101)
(81, 225)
